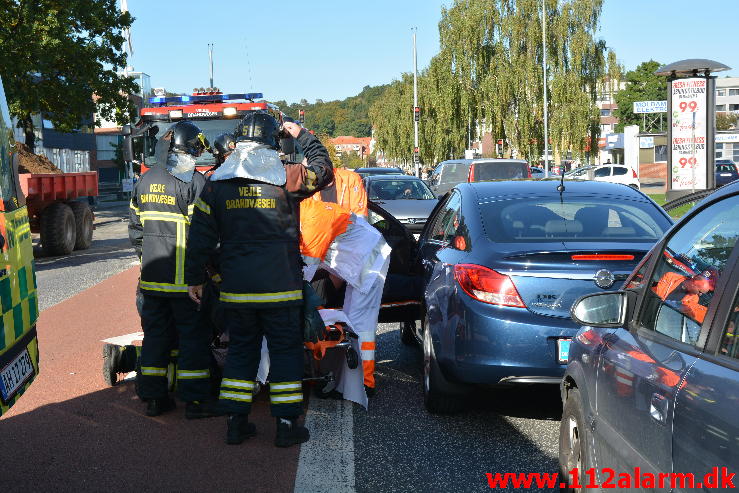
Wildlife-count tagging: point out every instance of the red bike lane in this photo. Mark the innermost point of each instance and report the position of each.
(71, 431)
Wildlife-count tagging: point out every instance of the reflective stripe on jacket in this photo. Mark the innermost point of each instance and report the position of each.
(159, 219)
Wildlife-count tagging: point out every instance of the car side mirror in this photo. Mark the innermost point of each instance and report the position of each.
(127, 148)
(126, 130)
(605, 310)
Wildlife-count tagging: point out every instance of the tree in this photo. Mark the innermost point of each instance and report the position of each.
(641, 85)
(726, 121)
(57, 55)
(488, 77)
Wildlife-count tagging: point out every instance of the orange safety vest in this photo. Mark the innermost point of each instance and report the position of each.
(350, 192)
(320, 224)
(667, 284)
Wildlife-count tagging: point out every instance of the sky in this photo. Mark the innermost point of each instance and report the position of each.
(330, 49)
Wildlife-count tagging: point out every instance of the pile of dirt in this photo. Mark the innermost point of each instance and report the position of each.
(33, 163)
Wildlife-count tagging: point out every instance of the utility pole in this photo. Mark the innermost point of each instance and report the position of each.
(546, 102)
(416, 115)
(210, 55)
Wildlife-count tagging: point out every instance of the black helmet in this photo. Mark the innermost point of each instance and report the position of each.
(187, 138)
(221, 145)
(259, 126)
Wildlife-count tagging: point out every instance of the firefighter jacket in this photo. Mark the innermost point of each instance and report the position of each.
(257, 227)
(161, 208)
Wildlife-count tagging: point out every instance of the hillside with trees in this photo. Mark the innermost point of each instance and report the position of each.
(346, 117)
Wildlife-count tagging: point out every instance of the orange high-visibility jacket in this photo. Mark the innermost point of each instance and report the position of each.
(350, 191)
(320, 224)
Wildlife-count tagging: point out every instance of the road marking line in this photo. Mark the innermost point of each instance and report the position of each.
(326, 463)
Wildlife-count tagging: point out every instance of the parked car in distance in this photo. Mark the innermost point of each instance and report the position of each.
(498, 169)
(617, 173)
(407, 198)
(726, 172)
(581, 173)
(537, 173)
(378, 171)
(448, 174)
(653, 374)
(502, 264)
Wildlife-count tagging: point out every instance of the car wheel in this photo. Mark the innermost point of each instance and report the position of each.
(435, 400)
(408, 333)
(573, 442)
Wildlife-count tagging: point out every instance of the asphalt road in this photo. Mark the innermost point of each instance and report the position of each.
(59, 278)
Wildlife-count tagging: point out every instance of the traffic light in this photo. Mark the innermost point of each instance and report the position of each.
(301, 116)
(417, 113)
(416, 157)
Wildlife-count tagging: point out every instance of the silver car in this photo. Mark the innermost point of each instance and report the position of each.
(407, 198)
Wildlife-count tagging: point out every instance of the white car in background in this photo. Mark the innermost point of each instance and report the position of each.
(617, 173)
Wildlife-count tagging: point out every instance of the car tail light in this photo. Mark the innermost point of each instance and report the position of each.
(487, 286)
(471, 175)
(634, 172)
(528, 168)
(602, 256)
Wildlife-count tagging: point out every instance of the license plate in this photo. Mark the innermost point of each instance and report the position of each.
(724, 174)
(15, 374)
(563, 350)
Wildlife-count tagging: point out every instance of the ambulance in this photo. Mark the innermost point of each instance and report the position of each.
(19, 355)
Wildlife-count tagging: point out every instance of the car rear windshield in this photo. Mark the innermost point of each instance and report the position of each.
(574, 219)
(399, 190)
(454, 173)
(500, 170)
(726, 168)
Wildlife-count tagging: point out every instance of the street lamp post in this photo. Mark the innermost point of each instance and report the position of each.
(546, 103)
(416, 157)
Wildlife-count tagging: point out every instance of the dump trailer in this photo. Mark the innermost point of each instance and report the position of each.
(54, 211)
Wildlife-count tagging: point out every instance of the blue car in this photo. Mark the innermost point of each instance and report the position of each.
(652, 382)
(502, 264)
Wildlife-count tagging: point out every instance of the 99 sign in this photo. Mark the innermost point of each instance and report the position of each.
(684, 106)
(685, 161)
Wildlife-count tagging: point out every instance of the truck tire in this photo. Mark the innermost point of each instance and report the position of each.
(58, 229)
(83, 223)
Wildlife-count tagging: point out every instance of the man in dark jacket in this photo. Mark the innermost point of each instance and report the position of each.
(161, 208)
(250, 207)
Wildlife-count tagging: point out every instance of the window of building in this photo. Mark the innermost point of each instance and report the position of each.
(735, 155)
(733, 92)
(605, 112)
(720, 92)
(734, 107)
(660, 153)
(720, 107)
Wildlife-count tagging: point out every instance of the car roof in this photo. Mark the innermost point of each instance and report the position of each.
(728, 189)
(391, 177)
(377, 168)
(496, 160)
(522, 188)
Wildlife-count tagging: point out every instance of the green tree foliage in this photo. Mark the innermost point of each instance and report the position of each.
(351, 160)
(334, 118)
(56, 55)
(726, 121)
(641, 85)
(489, 73)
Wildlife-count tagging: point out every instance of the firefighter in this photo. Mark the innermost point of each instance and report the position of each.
(250, 206)
(161, 208)
(223, 146)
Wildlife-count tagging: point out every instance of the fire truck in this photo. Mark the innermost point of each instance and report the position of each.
(212, 111)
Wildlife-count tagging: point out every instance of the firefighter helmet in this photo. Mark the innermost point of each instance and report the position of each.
(259, 126)
(222, 145)
(187, 138)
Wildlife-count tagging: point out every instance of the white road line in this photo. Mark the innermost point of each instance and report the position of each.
(326, 463)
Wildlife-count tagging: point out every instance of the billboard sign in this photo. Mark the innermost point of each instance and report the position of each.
(688, 149)
(650, 107)
(646, 142)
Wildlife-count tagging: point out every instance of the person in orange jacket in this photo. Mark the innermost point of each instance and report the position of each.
(348, 193)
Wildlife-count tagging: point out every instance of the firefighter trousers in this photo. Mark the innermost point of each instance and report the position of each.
(283, 329)
(193, 361)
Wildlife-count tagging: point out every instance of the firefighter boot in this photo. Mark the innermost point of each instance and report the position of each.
(155, 407)
(289, 432)
(202, 409)
(239, 428)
